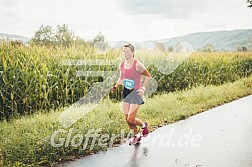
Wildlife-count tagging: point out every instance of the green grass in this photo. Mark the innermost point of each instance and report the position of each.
(26, 141)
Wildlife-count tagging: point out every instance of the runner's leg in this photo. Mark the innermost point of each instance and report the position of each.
(131, 118)
(126, 107)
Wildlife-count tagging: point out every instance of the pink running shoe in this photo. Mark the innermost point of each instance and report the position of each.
(139, 139)
(134, 140)
(145, 130)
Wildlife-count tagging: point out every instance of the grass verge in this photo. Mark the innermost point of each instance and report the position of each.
(27, 141)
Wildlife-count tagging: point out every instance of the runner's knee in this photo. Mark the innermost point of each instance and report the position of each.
(130, 121)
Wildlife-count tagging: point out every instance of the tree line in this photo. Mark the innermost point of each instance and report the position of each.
(64, 37)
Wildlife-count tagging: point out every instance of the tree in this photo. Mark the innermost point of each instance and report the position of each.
(244, 49)
(43, 36)
(240, 48)
(64, 37)
(250, 2)
(100, 43)
(170, 49)
(79, 41)
(208, 48)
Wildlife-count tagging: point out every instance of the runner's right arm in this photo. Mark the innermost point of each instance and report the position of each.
(119, 81)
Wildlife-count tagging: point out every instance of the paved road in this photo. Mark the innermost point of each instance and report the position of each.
(220, 137)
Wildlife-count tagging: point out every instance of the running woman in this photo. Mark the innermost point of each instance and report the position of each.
(131, 71)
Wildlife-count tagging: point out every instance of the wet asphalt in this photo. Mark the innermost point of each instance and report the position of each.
(220, 137)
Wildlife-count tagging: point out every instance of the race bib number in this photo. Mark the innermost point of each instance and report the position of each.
(129, 84)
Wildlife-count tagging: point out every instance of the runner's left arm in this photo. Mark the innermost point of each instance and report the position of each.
(140, 67)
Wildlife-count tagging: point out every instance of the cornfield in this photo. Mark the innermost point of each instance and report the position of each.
(34, 79)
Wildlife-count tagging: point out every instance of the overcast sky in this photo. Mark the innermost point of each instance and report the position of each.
(132, 20)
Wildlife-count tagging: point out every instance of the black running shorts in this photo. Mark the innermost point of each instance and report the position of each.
(131, 96)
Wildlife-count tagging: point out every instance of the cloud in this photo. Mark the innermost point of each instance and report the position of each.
(8, 3)
(168, 9)
(7, 12)
(151, 19)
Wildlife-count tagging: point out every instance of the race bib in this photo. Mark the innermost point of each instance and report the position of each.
(129, 84)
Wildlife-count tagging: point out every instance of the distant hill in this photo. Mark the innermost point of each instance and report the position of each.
(14, 37)
(220, 40)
